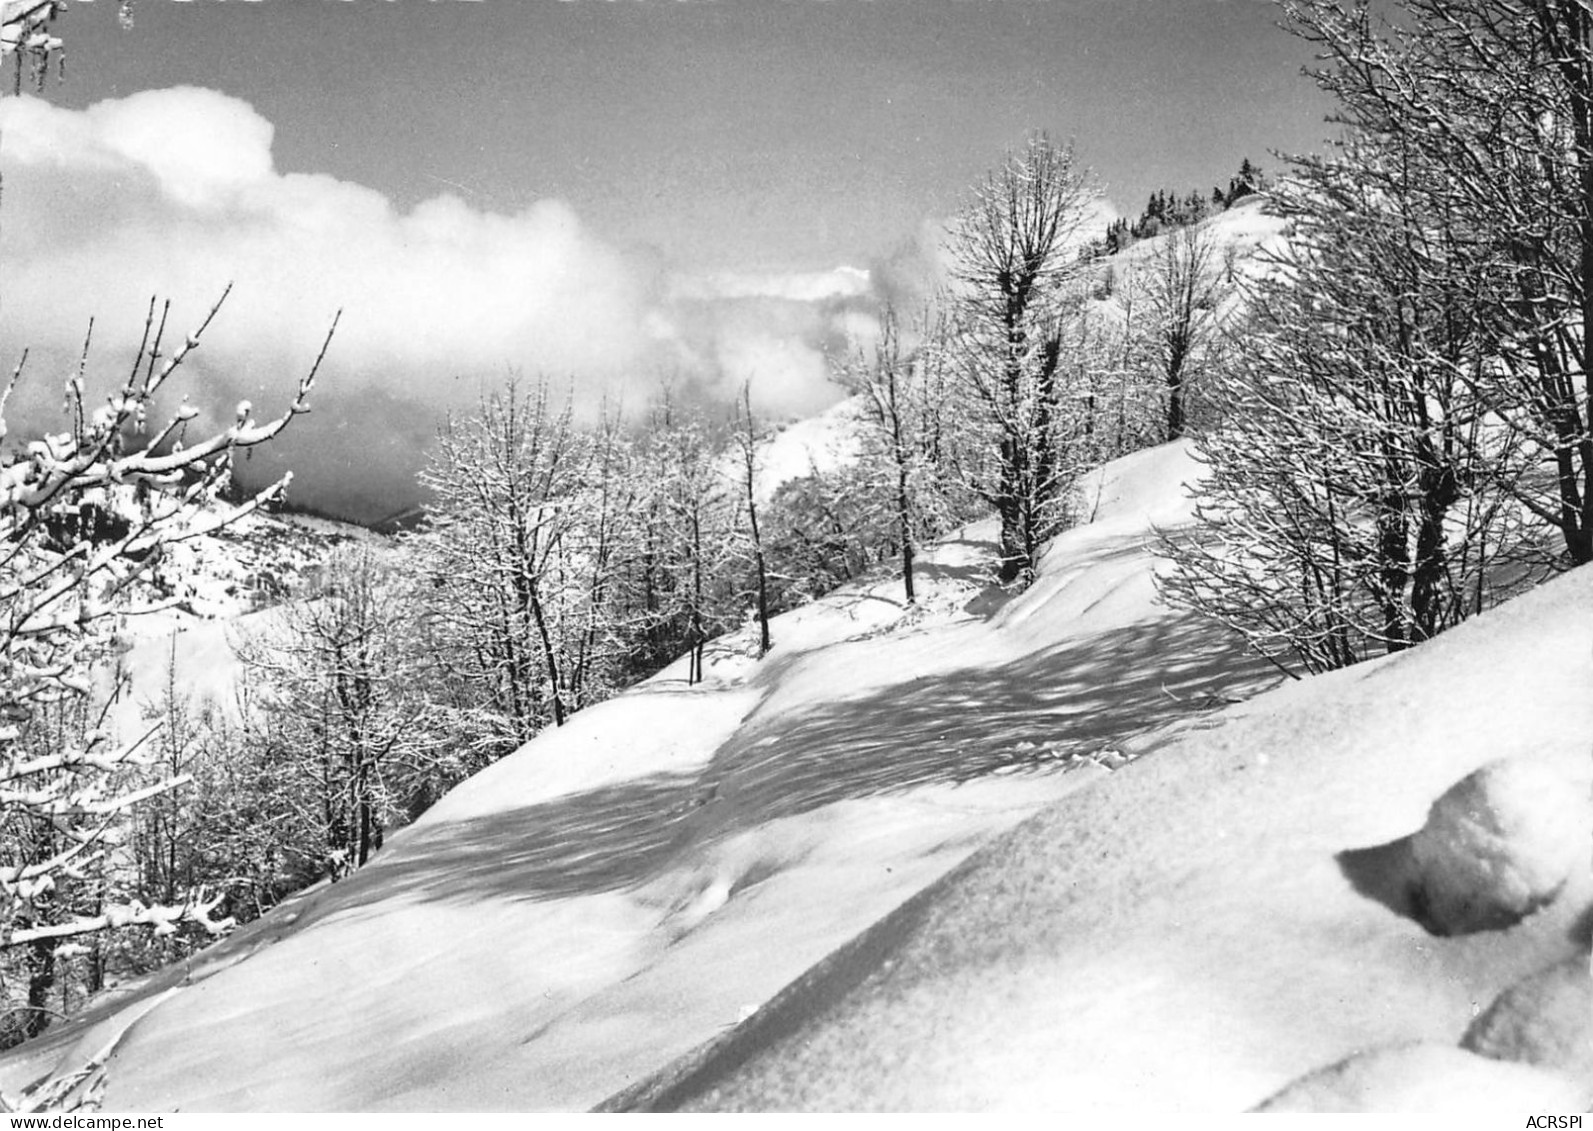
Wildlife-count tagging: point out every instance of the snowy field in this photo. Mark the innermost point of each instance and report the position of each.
(777, 877)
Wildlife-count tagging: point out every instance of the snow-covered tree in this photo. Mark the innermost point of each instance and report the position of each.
(1110, 348)
(745, 440)
(27, 35)
(885, 383)
(1186, 296)
(1484, 110)
(341, 675)
(504, 484)
(1248, 181)
(688, 544)
(84, 515)
(604, 620)
(1013, 262)
(167, 835)
(233, 831)
(531, 526)
(907, 479)
(1358, 501)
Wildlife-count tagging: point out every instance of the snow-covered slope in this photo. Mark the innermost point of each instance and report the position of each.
(1241, 909)
(991, 852)
(818, 444)
(633, 884)
(222, 584)
(1246, 232)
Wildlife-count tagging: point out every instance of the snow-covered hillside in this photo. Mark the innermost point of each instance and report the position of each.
(818, 444)
(1227, 912)
(632, 885)
(213, 587)
(1318, 884)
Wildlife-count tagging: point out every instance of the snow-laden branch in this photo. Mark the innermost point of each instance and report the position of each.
(84, 516)
(164, 921)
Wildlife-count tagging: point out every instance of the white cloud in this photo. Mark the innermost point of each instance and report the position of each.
(799, 286)
(202, 147)
(174, 193)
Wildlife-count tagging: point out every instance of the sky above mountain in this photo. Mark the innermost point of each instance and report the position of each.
(614, 192)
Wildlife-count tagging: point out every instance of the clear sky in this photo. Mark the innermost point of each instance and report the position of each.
(603, 189)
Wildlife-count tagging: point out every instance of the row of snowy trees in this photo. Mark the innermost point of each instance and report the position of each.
(1166, 211)
(1406, 434)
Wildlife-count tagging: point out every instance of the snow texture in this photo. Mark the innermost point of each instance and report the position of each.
(1545, 1019)
(1499, 845)
(1206, 925)
(1428, 1078)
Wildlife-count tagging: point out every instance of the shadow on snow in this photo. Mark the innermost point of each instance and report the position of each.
(1084, 695)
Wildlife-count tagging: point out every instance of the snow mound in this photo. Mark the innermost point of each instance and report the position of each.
(1545, 1019)
(1427, 1078)
(1497, 846)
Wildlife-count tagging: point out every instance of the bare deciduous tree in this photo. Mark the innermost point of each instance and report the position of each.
(1488, 105)
(505, 484)
(1359, 491)
(746, 439)
(340, 671)
(1012, 256)
(696, 531)
(885, 383)
(1186, 296)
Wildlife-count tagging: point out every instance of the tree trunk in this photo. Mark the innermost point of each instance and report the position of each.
(549, 656)
(905, 525)
(1430, 572)
(1177, 418)
(40, 965)
(1014, 559)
